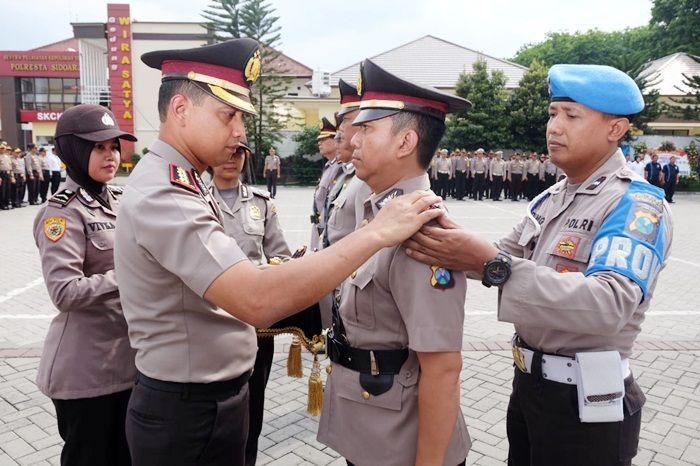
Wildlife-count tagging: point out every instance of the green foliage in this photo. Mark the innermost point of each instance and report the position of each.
(689, 183)
(693, 156)
(300, 168)
(676, 25)
(135, 158)
(256, 19)
(527, 106)
(486, 123)
(640, 148)
(667, 146)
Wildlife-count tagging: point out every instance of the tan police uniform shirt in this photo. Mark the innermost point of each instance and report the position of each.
(478, 165)
(253, 223)
(5, 163)
(555, 307)
(389, 303)
(170, 247)
(444, 166)
(461, 164)
(532, 167)
(19, 168)
(347, 212)
(331, 170)
(498, 167)
(272, 163)
(43, 163)
(86, 351)
(549, 167)
(516, 167)
(35, 162)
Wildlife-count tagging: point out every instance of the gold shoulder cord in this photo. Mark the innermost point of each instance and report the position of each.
(294, 367)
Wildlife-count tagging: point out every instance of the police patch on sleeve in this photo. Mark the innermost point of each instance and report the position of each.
(441, 278)
(55, 228)
(632, 239)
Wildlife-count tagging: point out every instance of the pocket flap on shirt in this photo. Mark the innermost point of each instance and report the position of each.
(103, 240)
(362, 276)
(572, 246)
(349, 388)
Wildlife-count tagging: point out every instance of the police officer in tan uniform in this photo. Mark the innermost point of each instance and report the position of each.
(45, 174)
(87, 366)
(390, 359)
(516, 168)
(479, 169)
(497, 172)
(532, 169)
(576, 277)
(251, 219)
(7, 178)
(35, 175)
(19, 170)
(271, 171)
(191, 297)
(328, 147)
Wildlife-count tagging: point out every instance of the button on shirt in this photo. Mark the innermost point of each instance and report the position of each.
(170, 247)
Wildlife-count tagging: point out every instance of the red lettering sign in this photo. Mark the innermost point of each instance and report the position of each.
(120, 75)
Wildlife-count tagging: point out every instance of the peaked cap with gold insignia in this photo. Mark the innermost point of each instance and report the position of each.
(327, 129)
(349, 99)
(384, 94)
(225, 70)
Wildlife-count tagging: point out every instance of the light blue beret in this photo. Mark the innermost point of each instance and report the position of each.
(599, 87)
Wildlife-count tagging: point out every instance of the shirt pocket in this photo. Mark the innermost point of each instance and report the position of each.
(336, 220)
(102, 240)
(362, 291)
(253, 227)
(570, 252)
(404, 385)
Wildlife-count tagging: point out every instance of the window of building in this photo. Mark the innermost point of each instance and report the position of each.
(49, 93)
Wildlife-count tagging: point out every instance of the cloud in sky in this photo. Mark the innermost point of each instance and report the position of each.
(332, 35)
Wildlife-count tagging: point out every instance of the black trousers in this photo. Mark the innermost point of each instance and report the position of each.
(178, 429)
(496, 187)
(460, 184)
(93, 430)
(17, 191)
(532, 183)
(44, 185)
(670, 189)
(516, 182)
(478, 186)
(442, 186)
(549, 180)
(33, 187)
(460, 464)
(544, 428)
(506, 189)
(256, 401)
(272, 182)
(5, 190)
(55, 182)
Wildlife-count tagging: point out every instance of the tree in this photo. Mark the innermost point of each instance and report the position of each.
(486, 123)
(677, 26)
(255, 19)
(528, 109)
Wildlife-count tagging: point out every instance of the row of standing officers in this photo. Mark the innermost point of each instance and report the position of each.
(27, 173)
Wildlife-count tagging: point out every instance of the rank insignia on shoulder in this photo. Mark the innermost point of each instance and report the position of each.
(200, 184)
(85, 196)
(55, 228)
(255, 213)
(181, 177)
(260, 193)
(388, 197)
(116, 189)
(441, 278)
(63, 197)
(596, 183)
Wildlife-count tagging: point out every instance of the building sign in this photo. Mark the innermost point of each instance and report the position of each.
(27, 116)
(40, 64)
(120, 69)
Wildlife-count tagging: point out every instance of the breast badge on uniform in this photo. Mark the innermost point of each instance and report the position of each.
(181, 177)
(441, 278)
(566, 268)
(255, 213)
(567, 246)
(55, 228)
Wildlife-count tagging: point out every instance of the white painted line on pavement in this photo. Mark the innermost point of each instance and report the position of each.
(12, 293)
(682, 261)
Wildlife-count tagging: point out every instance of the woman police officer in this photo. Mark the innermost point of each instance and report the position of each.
(87, 366)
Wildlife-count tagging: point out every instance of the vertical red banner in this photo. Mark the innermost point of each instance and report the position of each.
(120, 70)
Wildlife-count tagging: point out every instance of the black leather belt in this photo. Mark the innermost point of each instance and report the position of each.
(374, 362)
(196, 390)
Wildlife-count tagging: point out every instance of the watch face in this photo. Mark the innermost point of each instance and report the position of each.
(498, 272)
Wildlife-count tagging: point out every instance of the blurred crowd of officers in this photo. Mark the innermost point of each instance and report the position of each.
(26, 175)
(479, 174)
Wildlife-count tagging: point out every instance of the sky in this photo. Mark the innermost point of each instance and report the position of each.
(331, 35)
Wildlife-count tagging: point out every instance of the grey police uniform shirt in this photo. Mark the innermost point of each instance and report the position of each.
(170, 247)
(86, 351)
(345, 216)
(586, 281)
(498, 168)
(331, 170)
(390, 303)
(253, 223)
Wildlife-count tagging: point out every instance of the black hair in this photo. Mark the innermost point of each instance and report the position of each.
(172, 87)
(428, 129)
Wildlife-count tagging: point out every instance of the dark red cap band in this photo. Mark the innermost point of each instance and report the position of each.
(172, 67)
(434, 104)
(345, 99)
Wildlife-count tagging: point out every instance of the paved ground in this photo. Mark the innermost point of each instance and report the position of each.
(666, 361)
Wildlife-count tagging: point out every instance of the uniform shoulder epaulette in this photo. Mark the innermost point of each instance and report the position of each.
(118, 190)
(182, 177)
(63, 197)
(260, 193)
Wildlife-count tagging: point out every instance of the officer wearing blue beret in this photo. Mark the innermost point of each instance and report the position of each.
(576, 277)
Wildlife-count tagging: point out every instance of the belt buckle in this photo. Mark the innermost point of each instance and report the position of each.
(519, 358)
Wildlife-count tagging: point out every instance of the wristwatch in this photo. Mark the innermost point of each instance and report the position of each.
(497, 270)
